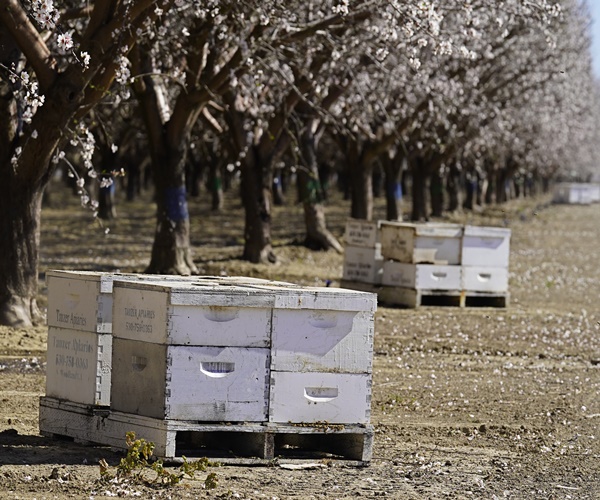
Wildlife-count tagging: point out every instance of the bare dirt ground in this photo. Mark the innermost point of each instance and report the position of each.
(486, 403)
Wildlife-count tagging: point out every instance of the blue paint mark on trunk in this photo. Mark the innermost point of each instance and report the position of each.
(176, 204)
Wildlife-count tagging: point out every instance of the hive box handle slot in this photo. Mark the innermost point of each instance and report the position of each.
(138, 363)
(439, 275)
(217, 369)
(484, 277)
(320, 394)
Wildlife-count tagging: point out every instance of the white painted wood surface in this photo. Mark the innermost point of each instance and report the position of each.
(309, 397)
(305, 340)
(79, 366)
(421, 276)
(190, 382)
(219, 317)
(484, 279)
(363, 264)
(421, 243)
(486, 246)
(361, 233)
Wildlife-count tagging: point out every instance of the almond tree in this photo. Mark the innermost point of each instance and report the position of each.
(57, 61)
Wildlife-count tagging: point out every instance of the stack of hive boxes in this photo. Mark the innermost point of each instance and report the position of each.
(363, 262)
(442, 260)
(79, 348)
(248, 359)
(421, 256)
(485, 255)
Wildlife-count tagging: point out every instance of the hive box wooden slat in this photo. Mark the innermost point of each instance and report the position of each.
(199, 313)
(190, 382)
(309, 397)
(79, 366)
(484, 279)
(421, 243)
(361, 233)
(486, 246)
(363, 264)
(421, 276)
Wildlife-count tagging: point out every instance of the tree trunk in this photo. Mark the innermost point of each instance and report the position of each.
(171, 250)
(318, 237)
(419, 191)
(436, 193)
(106, 202)
(20, 206)
(392, 168)
(453, 187)
(470, 190)
(256, 185)
(361, 184)
(215, 185)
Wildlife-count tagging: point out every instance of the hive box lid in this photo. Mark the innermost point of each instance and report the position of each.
(435, 229)
(309, 297)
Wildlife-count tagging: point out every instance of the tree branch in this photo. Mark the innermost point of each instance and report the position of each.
(29, 41)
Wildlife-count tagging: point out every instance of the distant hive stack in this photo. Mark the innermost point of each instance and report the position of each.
(485, 258)
(420, 260)
(576, 193)
(233, 365)
(438, 263)
(363, 262)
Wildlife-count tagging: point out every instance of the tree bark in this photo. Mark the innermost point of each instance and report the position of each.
(256, 186)
(436, 193)
(420, 176)
(171, 249)
(318, 237)
(392, 168)
(20, 206)
(453, 184)
(360, 179)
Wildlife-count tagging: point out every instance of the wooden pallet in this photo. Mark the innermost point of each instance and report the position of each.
(408, 297)
(227, 443)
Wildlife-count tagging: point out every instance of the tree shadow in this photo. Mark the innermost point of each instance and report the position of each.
(26, 449)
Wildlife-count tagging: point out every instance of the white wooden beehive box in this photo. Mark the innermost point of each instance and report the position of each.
(485, 279)
(310, 397)
(421, 276)
(363, 264)
(322, 329)
(421, 243)
(190, 382)
(201, 313)
(361, 233)
(486, 246)
(83, 300)
(80, 300)
(79, 366)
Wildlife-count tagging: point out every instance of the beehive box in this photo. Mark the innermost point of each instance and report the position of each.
(199, 313)
(574, 193)
(80, 300)
(363, 264)
(192, 351)
(190, 382)
(421, 276)
(485, 246)
(79, 366)
(322, 329)
(421, 243)
(310, 397)
(484, 279)
(361, 233)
